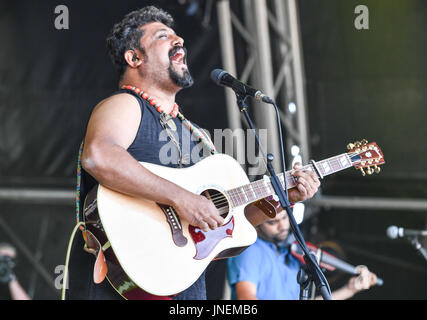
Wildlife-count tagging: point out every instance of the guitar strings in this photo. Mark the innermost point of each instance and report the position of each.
(258, 188)
(255, 186)
(235, 194)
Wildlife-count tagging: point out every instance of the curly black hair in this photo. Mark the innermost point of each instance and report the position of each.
(126, 34)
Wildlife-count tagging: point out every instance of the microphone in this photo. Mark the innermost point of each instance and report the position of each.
(223, 78)
(328, 261)
(394, 232)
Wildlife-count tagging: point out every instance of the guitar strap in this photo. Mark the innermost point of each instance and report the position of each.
(79, 216)
(164, 121)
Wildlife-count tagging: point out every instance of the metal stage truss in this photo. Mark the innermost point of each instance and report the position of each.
(273, 64)
(270, 30)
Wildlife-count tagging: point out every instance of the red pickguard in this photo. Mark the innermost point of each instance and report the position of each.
(205, 242)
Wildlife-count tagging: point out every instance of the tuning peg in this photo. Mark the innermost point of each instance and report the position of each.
(369, 171)
(362, 171)
(357, 144)
(350, 146)
(377, 169)
(364, 141)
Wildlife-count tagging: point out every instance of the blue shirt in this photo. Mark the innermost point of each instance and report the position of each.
(273, 271)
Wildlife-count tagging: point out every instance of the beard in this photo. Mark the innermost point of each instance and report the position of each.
(280, 236)
(185, 80)
(272, 237)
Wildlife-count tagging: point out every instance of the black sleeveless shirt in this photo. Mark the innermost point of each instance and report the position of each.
(153, 142)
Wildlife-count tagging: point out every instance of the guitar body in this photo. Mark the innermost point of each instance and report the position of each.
(147, 246)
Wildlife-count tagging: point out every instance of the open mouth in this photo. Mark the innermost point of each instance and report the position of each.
(179, 56)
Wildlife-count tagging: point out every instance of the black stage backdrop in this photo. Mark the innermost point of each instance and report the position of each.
(370, 84)
(360, 84)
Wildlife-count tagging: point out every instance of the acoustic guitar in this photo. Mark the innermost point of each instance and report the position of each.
(145, 247)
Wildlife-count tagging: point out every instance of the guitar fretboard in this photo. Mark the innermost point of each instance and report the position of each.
(262, 188)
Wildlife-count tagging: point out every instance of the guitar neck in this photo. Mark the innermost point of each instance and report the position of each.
(263, 188)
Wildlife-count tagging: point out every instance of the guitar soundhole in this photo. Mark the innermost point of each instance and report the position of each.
(219, 200)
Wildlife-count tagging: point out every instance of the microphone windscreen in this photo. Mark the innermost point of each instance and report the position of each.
(392, 232)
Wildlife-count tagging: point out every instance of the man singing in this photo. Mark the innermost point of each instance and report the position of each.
(125, 128)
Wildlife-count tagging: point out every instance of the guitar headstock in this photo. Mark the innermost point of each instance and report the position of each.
(364, 155)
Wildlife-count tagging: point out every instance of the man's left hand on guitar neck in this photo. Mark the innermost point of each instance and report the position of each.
(307, 185)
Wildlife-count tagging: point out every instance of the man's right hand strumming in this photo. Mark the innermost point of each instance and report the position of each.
(198, 211)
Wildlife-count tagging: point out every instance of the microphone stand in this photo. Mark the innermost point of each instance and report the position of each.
(414, 241)
(305, 283)
(312, 272)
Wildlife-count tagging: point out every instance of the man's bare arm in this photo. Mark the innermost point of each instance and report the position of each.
(17, 292)
(245, 290)
(111, 130)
